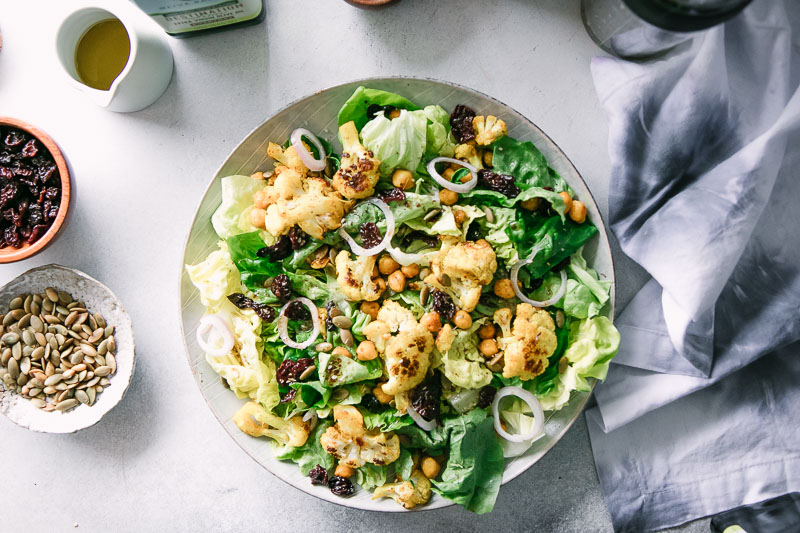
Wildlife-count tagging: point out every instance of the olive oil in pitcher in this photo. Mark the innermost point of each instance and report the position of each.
(102, 53)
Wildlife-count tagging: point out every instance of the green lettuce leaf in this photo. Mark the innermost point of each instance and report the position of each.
(370, 476)
(438, 141)
(231, 218)
(526, 163)
(254, 270)
(389, 420)
(355, 108)
(462, 363)
(399, 142)
(336, 370)
(404, 464)
(309, 454)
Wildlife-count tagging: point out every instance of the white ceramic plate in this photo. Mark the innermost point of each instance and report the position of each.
(318, 114)
(99, 299)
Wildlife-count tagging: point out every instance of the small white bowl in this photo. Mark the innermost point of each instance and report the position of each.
(98, 298)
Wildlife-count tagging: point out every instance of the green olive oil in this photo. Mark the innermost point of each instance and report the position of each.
(102, 53)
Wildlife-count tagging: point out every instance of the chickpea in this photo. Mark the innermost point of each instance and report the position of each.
(394, 113)
(448, 173)
(410, 271)
(402, 179)
(366, 351)
(430, 467)
(486, 331)
(344, 352)
(397, 281)
(567, 200)
(530, 205)
(260, 199)
(343, 471)
(257, 218)
(503, 288)
(577, 212)
(380, 395)
(381, 285)
(375, 271)
(371, 309)
(431, 321)
(488, 347)
(460, 216)
(462, 319)
(448, 197)
(488, 155)
(387, 265)
(258, 176)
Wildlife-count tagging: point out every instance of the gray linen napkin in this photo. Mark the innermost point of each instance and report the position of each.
(705, 195)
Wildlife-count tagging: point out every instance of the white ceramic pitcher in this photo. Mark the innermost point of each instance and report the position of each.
(149, 67)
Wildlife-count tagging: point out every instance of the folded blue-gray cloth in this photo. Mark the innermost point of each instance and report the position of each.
(699, 413)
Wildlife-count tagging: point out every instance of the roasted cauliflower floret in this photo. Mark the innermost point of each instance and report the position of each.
(406, 353)
(359, 169)
(257, 422)
(445, 338)
(415, 491)
(468, 266)
(354, 277)
(353, 445)
(488, 129)
(306, 202)
(469, 153)
(531, 341)
(287, 158)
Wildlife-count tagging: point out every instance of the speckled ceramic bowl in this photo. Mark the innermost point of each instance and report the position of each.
(318, 113)
(98, 298)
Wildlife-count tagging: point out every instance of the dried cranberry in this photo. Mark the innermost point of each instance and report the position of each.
(280, 250)
(264, 312)
(30, 149)
(341, 486)
(6, 173)
(443, 304)
(392, 195)
(36, 233)
(8, 193)
(318, 475)
(370, 235)
(15, 138)
(426, 398)
(297, 238)
(12, 237)
(289, 371)
(297, 311)
(461, 123)
(21, 169)
(282, 287)
(502, 183)
(486, 396)
(46, 172)
(51, 193)
(289, 396)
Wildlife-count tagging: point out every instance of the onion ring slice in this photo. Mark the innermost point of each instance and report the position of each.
(213, 324)
(283, 323)
(562, 289)
(533, 403)
(387, 238)
(455, 187)
(302, 152)
(425, 425)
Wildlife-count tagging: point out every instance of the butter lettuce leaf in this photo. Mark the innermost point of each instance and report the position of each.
(336, 370)
(355, 108)
(398, 142)
(231, 217)
(215, 278)
(309, 454)
(462, 364)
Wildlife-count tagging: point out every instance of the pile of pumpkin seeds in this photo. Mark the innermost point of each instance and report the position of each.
(54, 352)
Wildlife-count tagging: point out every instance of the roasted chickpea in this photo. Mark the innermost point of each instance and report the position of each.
(343, 471)
(530, 205)
(380, 395)
(394, 113)
(371, 309)
(567, 200)
(486, 331)
(381, 285)
(258, 176)
(257, 218)
(448, 173)
(503, 288)
(402, 179)
(577, 212)
(488, 155)
(431, 321)
(387, 265)
(375, 271)
(366, 351)
(344, 352)
(397, 281)
(260, 199)
(460, 216)
(448, 197)
(410, 271)
(430, 467)
(462, 319)
(488, 347)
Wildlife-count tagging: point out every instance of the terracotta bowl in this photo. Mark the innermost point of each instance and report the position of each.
(11, 255)
(370, 3)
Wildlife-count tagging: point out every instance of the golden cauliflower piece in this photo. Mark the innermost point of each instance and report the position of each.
(462, 269)
(527, 346)
(469, 153)
(353, 445)
(308, 202)
(257, 422)
(488, 129)
(354, 277)
(415, 491)
(445, 338)
(359, 169)
(407, 353)
(288, 158)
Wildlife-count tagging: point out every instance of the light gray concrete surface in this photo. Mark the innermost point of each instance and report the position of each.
(160, 461)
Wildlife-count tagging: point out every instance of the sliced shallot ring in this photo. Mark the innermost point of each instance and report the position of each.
(283, 323)
(403, 258)
(425, 425)
(305, 156)
(387, 238)
(533, 403)
(215, 324)
(455, 187)
(536, 303)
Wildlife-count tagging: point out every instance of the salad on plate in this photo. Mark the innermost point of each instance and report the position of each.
(402, 315)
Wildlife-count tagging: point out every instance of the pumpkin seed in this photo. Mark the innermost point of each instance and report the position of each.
(82, 318)
(52, 319)
(27, 337)
(489, 215)
(101, 322)
(446, 280)
(51, 294)
(8, 319)
(96, 335)
(37, 353)
(27, 304)
(324, 347)
(13, 368)
(25, 365)
(76, 357)
(16, 351)
(36, 308)
(92, 394)
(111, 362)
(93, 381)
(50, 389)
(49, 369)
(103, 347)
(560, 318)
(64, 298)
(347, 337)
(61, 310)
(37, 324)
(102, 371)
(10, 338)
(67, 404)
(340, 395)
(5, 356)
(25, 321)
(112, 344)
(432, 215)
(22, 379)
(335, 311)
(54, 379)
(15, 303)
(342, 322)
(82, 375)
(40, 338)
(423, 294)
(104, 382)
(307, 372)
(88, 349)
(38, 402)
(82, 397)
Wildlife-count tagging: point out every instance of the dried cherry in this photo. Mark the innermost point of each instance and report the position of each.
(461, 123)
(392, 195)
(426, 398)
(282, 287)
(280, 250)
(318, 475)
(341, 486)
(443, 304)
(370, 235)
(289, 371)
(502, 183)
